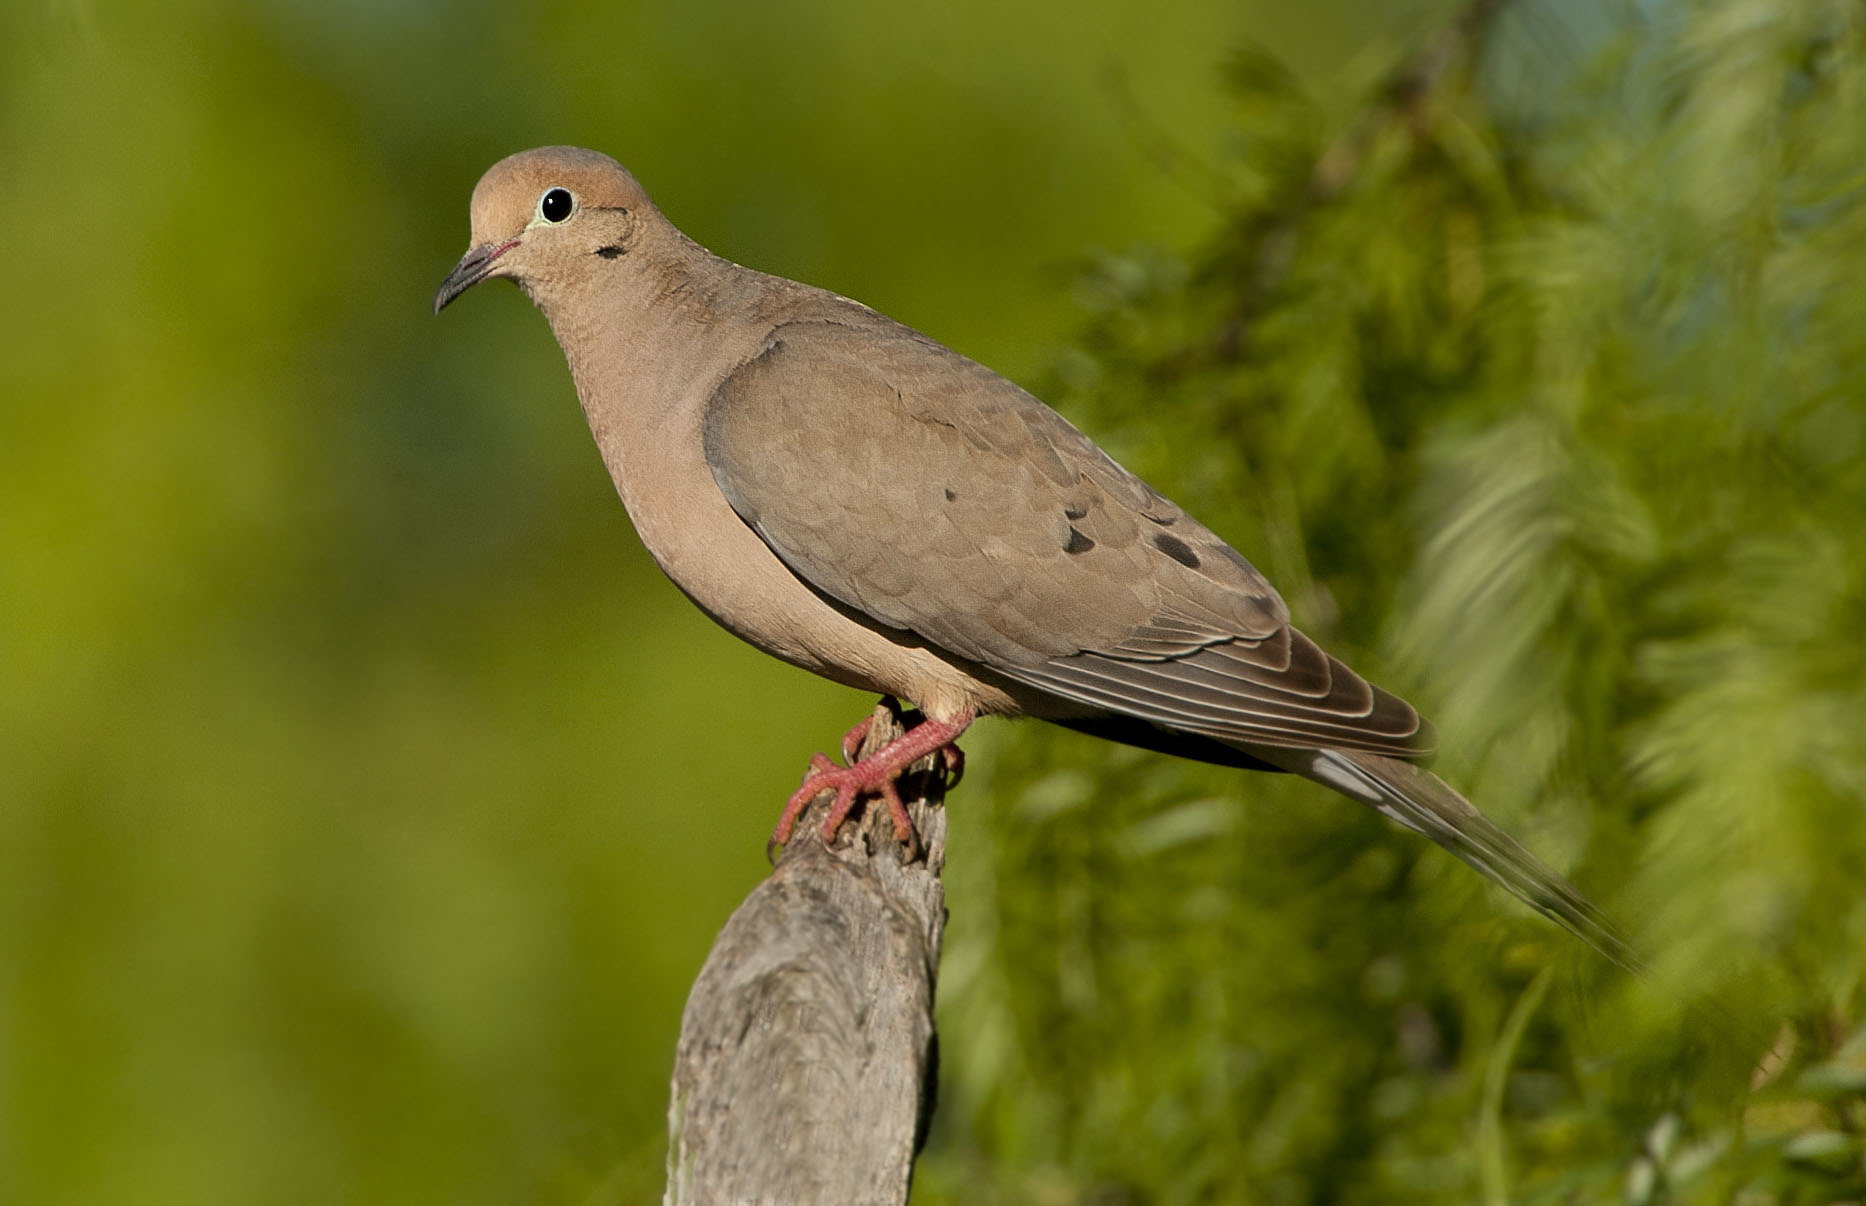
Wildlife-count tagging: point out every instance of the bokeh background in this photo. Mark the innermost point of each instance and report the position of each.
(368, 802)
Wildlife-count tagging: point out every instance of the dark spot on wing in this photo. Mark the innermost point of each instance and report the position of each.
(951, 494)
(1236, 558)
(612, 251)
(1078, 543)
(1165, 521)
(1177, 549)
(1075, 512)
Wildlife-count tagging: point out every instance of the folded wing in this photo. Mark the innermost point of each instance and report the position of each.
(928, 493)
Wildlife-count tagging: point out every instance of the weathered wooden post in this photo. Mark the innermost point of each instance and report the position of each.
(805, 1069)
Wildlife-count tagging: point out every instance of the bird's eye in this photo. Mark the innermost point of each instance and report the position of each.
(556, 204)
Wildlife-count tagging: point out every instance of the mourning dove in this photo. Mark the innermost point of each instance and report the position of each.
(851, 497)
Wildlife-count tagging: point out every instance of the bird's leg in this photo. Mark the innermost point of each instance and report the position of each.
(874, 774)
(951, 755)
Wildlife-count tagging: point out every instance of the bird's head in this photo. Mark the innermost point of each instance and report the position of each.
(541, 216)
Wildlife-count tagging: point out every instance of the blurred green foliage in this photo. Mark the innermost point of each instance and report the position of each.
(1543, 397)
(367, 802)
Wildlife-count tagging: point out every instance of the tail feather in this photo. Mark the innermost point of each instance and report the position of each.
(1425, 804)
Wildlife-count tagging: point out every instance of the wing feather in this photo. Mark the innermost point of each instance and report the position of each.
(928, 493)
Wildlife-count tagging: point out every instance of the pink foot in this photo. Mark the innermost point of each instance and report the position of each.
(951, 755)
(874, 775)
(852, 740)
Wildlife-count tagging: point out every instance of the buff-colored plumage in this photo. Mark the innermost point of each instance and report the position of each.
(850, 496)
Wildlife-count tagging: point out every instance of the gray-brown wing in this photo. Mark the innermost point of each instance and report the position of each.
(1281, 691)
(934, 496)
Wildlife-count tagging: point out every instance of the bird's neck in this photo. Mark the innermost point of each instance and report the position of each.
(648, 337)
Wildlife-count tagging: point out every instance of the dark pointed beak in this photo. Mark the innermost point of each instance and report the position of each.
(474, 267)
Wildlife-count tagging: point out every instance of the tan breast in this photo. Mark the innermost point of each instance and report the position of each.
(651, 443)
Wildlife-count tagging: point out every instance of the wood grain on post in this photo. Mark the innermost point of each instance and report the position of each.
(805, 1068)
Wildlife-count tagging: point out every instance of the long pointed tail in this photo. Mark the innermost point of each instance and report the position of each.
(1425, 804)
